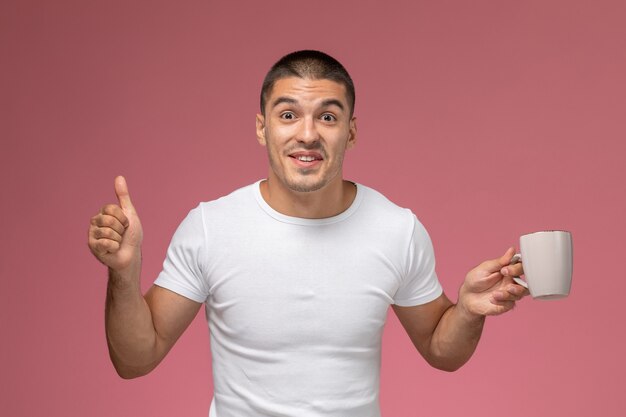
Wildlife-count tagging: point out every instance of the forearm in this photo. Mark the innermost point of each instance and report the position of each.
(446, 334)
(455, 338)
(130, 332)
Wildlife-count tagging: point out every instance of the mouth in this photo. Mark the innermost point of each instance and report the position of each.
(306, 159)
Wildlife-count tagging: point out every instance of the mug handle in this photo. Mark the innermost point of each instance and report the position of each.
(517, 258)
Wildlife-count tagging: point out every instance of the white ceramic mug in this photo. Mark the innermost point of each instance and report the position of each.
(547, 258)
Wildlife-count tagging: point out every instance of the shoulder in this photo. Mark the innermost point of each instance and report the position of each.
(240, 199)
(215, 212)
(379, 208)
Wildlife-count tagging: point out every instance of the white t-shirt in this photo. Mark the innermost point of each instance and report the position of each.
(296, 307)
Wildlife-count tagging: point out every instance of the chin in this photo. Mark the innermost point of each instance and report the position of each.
(305, 187)
(305, 183)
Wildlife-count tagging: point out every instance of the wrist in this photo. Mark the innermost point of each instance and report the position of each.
(127, 276)
(465, 310)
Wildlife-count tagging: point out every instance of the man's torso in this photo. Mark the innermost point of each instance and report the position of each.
(296, 307)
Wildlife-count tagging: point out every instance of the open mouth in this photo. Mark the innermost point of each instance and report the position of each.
(306, 159)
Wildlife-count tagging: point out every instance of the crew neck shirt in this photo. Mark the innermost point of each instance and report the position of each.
(296, 307)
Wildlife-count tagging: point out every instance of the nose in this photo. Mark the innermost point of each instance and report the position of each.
(308, 131)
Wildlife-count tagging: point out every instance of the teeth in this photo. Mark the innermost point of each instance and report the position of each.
(306, 158)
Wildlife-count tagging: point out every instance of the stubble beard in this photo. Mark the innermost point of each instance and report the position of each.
(302, 186)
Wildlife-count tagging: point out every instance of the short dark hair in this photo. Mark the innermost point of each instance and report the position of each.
(311, 64)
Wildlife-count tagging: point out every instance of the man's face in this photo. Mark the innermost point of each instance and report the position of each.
(306, 128)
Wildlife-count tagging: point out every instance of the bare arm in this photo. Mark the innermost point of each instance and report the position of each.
(445, 334)
(140, 329)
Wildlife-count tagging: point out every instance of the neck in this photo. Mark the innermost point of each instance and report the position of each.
(329, 201)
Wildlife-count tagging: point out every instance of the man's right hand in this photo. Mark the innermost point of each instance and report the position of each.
(115, 233)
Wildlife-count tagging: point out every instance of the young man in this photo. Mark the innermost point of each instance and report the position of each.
(297, 271)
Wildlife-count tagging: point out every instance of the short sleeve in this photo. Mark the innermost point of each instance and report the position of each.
(420, 284)
(185, 260)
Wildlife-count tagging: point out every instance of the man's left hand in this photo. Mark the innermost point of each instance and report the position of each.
(489, 288)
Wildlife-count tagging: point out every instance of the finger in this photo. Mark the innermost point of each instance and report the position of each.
(106, 233)
(110, 213)
(511, 292)
(123, 196)
(101, 247)
(508, 255)
(514, 270)
(495, 265)
(521, 291)
(117, 221)
(504, 305)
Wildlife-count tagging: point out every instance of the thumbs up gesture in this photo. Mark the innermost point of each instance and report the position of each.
(115, 233)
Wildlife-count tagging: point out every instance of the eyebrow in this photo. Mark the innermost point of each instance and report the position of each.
(333, 102)
(325, 103)
(281, 100)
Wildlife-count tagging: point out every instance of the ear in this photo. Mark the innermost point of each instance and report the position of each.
(260, 129)
(352, 134)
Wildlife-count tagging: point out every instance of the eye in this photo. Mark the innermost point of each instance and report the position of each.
(287, 115)
(327, 117)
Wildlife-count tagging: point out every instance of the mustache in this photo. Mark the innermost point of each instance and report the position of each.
(315, 146)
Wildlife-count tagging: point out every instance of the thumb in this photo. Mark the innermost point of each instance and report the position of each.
(495, 265)
(121, 191)
(507, 257)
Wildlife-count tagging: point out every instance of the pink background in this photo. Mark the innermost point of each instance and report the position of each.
(489, 119)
